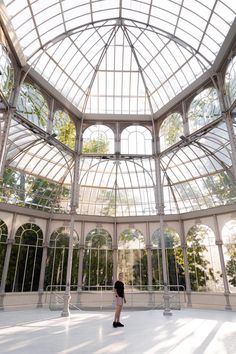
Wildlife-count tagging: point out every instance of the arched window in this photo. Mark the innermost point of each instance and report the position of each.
(136, 139)
(174, 259)
(26, 257)
(203, 109)
(230, 81)
(33, 106)
(229, 247)
(170, 131)
(98, 260)
(3, 245)
(132, 258)
(57, 258)
(98, 139)
(203, 259)
(7, 73)
(64, 128)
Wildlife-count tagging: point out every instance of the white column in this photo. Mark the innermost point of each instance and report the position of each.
(219, 244)
(160, 208)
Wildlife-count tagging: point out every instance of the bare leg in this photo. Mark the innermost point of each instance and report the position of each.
(117, 313)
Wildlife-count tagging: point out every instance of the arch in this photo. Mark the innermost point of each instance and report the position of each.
(99, 139)
(174, 259)
(26, 256)
(57, 258)
(171, 237)
(132, 258)
(97, 269)
(203, 259)
(98, 238)
(136, 139)
(229, 249)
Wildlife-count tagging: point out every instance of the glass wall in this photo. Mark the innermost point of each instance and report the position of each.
(25, 262)
(57, 258)
(132, 258)
(174, 260)
(97, 269)
(229, 247)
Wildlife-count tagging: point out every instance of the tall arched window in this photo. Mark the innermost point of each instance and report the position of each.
(230, 81)
(229, 247)
(57, 258)
(132, 258)
(26, 257)
(136, 139)
(98, 139)
(7, 73)
(203, 259)
(33, 106)
(174, 259)
(64, 128)
(3, 245)
(170, 131)
(98, 260)
(203, 109)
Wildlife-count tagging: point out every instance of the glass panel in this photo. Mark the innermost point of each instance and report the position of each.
(6, 73)
(64, 128)
(33, 106)
(204, 108)
(171, 130)
(230, 81)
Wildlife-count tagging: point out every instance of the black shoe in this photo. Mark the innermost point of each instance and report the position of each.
(114, 324)
(118, 324)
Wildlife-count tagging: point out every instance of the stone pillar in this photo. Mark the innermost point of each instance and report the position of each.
(186, 274)
(219, 243)
(67, 295)
(42, 274)
(149, 266)
(114, 259)
(160, 208)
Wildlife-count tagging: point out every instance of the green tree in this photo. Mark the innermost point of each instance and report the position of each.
(8, 185)
(66, 134)
(174, 258)
(100, 145)
(175, 128)
(222, 188)
(46, 195)
(198, 265)
(231, 264)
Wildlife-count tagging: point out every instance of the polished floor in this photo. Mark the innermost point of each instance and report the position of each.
(146, 332)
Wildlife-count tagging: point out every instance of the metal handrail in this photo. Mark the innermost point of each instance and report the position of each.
(132, 293)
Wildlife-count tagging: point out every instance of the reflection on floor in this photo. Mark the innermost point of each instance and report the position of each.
(146, 332)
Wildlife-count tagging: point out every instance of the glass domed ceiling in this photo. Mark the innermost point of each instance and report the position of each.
(121, 56)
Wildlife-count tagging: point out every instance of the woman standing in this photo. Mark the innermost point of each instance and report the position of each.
(119, 300)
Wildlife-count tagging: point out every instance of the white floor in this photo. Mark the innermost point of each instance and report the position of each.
(146, 332)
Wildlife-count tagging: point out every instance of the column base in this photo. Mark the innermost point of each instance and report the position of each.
(167, 312)
(66, 309)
